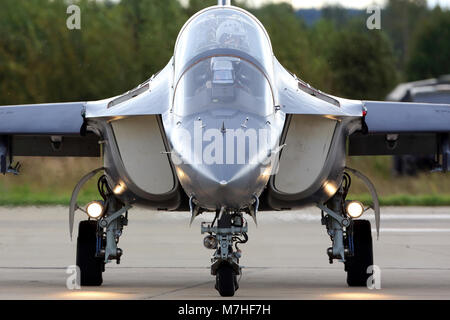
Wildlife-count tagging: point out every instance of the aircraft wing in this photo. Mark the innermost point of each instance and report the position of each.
(404, 117)
(55, 129)
(42, 119)
(395, 128)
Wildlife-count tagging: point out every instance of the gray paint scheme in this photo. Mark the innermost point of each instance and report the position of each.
(409, 143)
(49, 119)
(307, 143)
(140, 146)
(326, 181)
(206, 182)
(396, 117)
(117, 174)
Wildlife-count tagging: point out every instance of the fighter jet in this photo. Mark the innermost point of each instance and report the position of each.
(224, 128)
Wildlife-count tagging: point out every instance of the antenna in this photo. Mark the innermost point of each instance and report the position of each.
(224, 2)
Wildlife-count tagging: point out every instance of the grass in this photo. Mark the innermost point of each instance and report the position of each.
(49, 181)
(22, 197)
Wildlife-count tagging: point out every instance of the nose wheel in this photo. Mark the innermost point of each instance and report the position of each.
(230, 231)
(226, 281)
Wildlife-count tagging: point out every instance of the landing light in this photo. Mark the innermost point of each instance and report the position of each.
(354, 209)
(119, 189)
(330, 188)
(267, 172)
(95, 209)
(210, 242)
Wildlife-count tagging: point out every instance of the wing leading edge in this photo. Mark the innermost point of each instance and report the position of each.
(42, 119)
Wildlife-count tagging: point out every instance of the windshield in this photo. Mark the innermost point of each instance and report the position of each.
(223, 83)
(223, 31)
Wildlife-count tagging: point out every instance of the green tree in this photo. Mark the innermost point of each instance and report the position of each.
(430, 51)
(337, 14)
(197, 5)
(362, 64)
(289, 37)
(153, 27)
(400, 19)
(119, 45)
(321, 39)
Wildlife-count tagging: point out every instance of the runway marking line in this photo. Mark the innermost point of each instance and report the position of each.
(413, 230)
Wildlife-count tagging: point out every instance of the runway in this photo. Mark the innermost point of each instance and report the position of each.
(284, 259)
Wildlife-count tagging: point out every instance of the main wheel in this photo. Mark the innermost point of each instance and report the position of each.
(360, 238)
(91, 267)
(226, 282)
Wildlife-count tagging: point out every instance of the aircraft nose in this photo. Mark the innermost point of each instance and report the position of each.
(232, 186)
(224, 162)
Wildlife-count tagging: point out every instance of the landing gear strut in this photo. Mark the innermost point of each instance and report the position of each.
(351, 239)
(225, 261)
(97, 239)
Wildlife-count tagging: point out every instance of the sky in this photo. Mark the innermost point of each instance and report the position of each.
(360, 4)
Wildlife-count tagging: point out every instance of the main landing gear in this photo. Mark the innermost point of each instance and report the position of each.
(230, 231)
(90, 263)
(356, 265)
(98, 237)
(351, 238)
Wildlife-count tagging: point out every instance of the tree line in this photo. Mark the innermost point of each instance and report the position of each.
(121, 44)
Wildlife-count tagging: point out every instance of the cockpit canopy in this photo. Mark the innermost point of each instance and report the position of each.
(223, 31)
(223, 60)
(223, 83)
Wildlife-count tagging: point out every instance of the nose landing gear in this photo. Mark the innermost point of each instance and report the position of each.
(231, 227)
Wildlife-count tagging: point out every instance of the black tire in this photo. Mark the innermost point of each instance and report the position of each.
(91, 268)
(356, 266)
(226, 280)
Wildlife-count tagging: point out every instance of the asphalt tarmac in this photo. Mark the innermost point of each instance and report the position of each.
(285, 257)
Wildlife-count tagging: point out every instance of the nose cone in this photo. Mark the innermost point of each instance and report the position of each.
(232, 186)
(228, 167)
